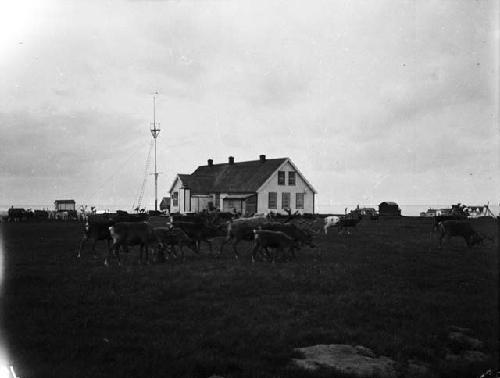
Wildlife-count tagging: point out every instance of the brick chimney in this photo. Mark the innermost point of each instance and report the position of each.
(262, 158)
(210, 162)
(231, 160)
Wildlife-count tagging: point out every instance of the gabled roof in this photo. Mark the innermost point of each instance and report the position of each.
(242, 177)
(197, 184)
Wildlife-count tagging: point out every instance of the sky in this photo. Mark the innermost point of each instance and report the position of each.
(372, 101)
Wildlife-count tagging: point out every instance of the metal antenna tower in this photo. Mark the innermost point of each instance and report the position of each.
(155, 130)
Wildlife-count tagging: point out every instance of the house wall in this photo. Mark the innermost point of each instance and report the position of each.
(176, 188)
(184, 200)
(299, 187)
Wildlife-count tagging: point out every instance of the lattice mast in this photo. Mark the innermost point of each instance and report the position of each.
(155, 130)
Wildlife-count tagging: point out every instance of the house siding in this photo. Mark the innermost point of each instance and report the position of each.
(272, 186)
(186, 199)
(176, 188)
(65, 206)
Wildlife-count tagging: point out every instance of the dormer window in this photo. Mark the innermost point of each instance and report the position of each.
(281, 177)
(291, 178)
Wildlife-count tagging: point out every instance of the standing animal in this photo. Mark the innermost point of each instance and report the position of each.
(272, 239)
(346, 223)
(125, 234)
(441, 218)
(96, 228)
(241, 229)
(451, 228)
(17, 214)
(300, 236)
(331, 220)
(200, 230)
(40, 214)
(171, 237)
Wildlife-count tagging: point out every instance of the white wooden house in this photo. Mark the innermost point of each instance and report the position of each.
(256, 186)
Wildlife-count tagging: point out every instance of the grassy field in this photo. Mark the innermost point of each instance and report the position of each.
(386, 286)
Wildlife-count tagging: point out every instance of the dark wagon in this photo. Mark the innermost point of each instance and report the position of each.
(389, 209)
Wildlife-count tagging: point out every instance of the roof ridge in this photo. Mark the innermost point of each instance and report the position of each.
(242, 162)
(238, 177)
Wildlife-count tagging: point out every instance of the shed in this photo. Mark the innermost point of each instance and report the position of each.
(389, 209)
(165, 204)
(65, 205)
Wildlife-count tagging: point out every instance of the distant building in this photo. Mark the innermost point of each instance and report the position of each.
(478, 211)
(165, 204)
(256, 186)
(389, 209)
(364, 212)
(435, 212)
(461, 210)
(430, 213)
(65, 205)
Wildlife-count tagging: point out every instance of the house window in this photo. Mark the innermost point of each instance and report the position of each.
(273, 200)
(291, 178)
(175, 199)
(281, 177)
(299, 200)
(285, 200)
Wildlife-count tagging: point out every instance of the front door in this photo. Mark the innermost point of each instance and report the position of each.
(251, 205)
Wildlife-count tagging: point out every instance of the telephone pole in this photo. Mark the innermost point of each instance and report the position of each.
(155, 130)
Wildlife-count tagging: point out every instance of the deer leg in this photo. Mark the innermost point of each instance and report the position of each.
(82, 245)
(236, 255)
(209, 245)
(224, 242)
(254, 252)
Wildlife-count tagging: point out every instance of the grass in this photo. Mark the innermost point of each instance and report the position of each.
(386, 286)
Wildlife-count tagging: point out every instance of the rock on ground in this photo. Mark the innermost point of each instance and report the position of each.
(348, 359)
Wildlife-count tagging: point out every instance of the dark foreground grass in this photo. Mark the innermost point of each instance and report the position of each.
(386, 287)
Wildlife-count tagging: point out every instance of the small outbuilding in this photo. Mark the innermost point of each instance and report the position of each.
(165, 204)
(65, 205)
(389, 209)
